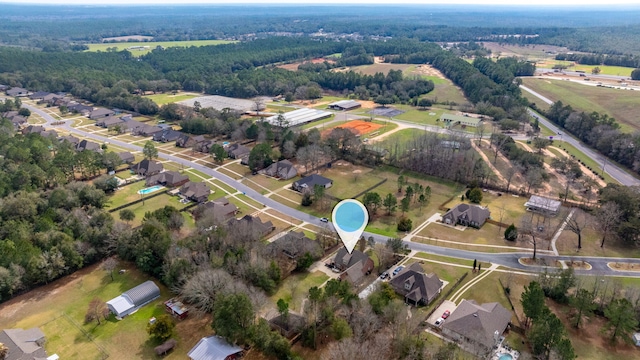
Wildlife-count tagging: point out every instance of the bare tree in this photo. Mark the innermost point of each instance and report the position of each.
(577, 223)
(533, 177)
(480, 132)
(109, 265)
(527, 228)
(349, 349)
(97, 308)
(511, 171)
(608, 216)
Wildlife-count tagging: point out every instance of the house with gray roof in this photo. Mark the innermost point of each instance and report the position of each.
(167, 135)
(309, 182)
(467, 215)
(70, 139)
(32, 129)
(293, 245)
(462, 120)
(145, 130)
(237, 151)
(109, 121)
(134, 299)
(88, 145)
(101, 113)
(39, 95)
(168, 179)
(283, 169)
(187, 141)
(354, 266)
(204, 146)
(543, 205)
(17, 91)
(477, 325)
(195, 191)
(23, 344)
(80, 108)
(221, 208)
(147, 167)
(214, 348)
(126, 157)
(253, 222)
(415, 286)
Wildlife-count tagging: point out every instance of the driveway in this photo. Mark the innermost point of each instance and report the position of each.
(446, 305)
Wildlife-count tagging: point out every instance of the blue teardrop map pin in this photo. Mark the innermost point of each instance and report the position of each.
(350, 217)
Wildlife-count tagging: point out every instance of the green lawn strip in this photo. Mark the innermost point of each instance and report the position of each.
(316, 123)
(270, 183)
(230, 174)
(252, 203)
(604, 69)
(162, 99)
(447, 93)
(171, 166)
(155, 203)
(296, 287)
(421, 116)
(447, 259)
(125, 194)
(65, 338)
(237, 168)
(120, 46)
(287, 197)
(579, 155)
(219, 184)
(348, 185)
(401, 137)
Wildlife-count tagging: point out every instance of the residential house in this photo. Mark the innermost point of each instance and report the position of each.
(186, 141)
(221, 208)
(204, 146)
(126, 157)
(354, 266)
(293, 245)
(344, 105)
(195, 191)
(288, 326)
(4, 87)
(147, 167)
(168, 179)
(52, 100)
(23, 344)
(101, 113)
(417, 287)
(88, 145)
(467, 215)
(38, 95)
(309, 183)
(79, 108)
(17, 120)
(214, 348)
(134, 299)
(70, 139)
(479, 326)
(167, 135)
(145, 130)
(109, 121)
(254, 222)
(17, 92)
(237, 151)
(543, 205)
(283, 169)
(49, 134)
(32, 129)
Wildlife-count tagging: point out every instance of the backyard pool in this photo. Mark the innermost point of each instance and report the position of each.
(149, 190)
(505, 357)
(225, 143)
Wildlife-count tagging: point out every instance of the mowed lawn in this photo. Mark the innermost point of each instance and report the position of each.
(619, 104)
(162, 99)
(296, 287)
(152, 45)
(58, 309)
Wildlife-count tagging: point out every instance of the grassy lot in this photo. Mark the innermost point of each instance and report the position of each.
(567, 244)
(270, 183)
(125, 194)
(162, 99)
(421, 116)
(238, 168)
(403, 137)
(156, 203)
(604, 69)
(487, 235)
(252, 203)
(296, 287)
(349, 180)
(381, 67)
(619, 104)
(513, 207)
(488, 290)
(59, 308)
(226, 188)
(152, 45)
(579, 155)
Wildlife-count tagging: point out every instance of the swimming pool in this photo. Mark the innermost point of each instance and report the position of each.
(505, 357)
(225, 143)
(149, 190)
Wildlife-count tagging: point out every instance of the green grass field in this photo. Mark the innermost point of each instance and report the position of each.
(162, 99)
(604, 69)
(619, 104)
(152, 45)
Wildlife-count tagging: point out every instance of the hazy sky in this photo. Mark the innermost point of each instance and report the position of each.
(577, 3)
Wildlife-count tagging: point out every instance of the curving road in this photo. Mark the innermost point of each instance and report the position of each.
(505, 259)
(610, 168)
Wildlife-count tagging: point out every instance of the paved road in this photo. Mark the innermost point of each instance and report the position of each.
(504, 259)
(614, 170)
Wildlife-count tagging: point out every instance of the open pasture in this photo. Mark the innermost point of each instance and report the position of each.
(142, 48)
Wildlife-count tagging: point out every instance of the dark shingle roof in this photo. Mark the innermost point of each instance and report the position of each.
(311, 181)
(478, 322)
(421, 287)
(468, 212)
(23, 344)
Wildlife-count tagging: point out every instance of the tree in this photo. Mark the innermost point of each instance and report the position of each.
(24, 112)
(149, 150)
(390, 202)
(127, 215)
(596, 70)
(564, 350)
(511, 233)
(232, 316)
(383, 100)
(372, 201)
(533, 301)
(404, 204)
(622, 320)
(97, 308)
(109, 265)
(546, 334)
(315, 295)
(340, 329)
(318, 194)
(397, 246)
(162, 328)
(608, 217)
(106, 183)
(475, 195)
(424, 103)
(306, 199)
(401, 183)
(480, 132)
(541, 144)
(583, 305)
(111, 160)
(577, 223)
(260, 157)
(405, 224)
(533, 178)
(218, 152)
(283, 309)
(635, 74)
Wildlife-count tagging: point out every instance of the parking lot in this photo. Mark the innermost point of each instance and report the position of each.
(446, 305)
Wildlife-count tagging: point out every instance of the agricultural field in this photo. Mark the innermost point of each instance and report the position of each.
(148, 46)
(380, 68)
(529, 52)
(59, 308)
(619, 104)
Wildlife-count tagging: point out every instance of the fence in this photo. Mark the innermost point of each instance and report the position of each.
(508, 295)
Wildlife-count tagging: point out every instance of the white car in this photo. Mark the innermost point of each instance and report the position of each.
(439, 321)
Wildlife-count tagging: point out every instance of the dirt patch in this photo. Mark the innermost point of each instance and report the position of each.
(624, 266)
(294, 66)
(428, 70)
(358, 126)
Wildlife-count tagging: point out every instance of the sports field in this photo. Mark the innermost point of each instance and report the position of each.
(359, 126)
(619, 104)
(146, 47)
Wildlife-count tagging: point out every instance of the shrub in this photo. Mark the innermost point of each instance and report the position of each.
(511, 233)
(405, 224)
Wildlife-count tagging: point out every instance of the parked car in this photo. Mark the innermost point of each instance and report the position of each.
(384, 275)
(335, 270)
(324, 220)
(397, 270)
(446, 314)
(439, 321)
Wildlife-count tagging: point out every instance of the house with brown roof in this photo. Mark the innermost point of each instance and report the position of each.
(70, 139)
(195, 191)
(417, 287)
(168, 179)
(354, 266)
(222, 209)
(467, 215)
(167, 135)
(126, 157)
(186, 141)
(17, 91)
(107, 122)
(89, 146)
(101, 113)
(295, 244)
(237, 151)
(23, 344)
(147, 167)
(477, 325)
(254, 222)
(204, 146)
(283, 169)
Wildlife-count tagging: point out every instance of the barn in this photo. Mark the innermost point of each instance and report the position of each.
(133, 299)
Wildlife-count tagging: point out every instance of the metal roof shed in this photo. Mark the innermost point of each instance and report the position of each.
(143, 293)
(213, 348)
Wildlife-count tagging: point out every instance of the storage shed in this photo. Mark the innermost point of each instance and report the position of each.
(133, 299)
